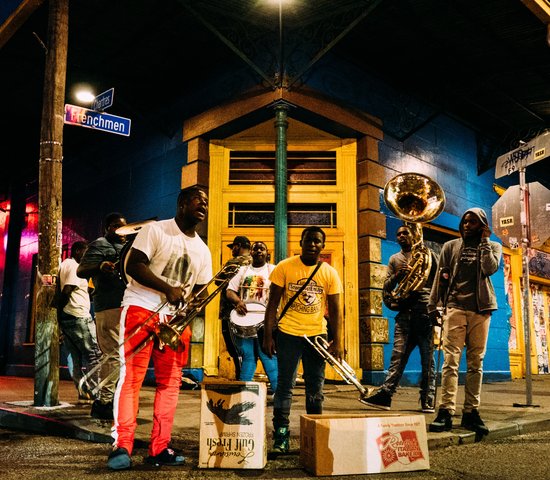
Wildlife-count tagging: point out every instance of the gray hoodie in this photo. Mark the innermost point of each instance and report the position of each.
(488, 259)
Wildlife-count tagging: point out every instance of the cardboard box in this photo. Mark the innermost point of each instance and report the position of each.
(358, 444)
(232, 428)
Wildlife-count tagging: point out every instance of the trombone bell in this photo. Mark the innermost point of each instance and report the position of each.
(171, 336)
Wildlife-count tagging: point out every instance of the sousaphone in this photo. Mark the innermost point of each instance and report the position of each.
(415, 199)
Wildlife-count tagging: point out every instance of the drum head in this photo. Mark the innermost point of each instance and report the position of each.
(247, 325)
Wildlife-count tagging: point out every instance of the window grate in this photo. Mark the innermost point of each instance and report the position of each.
(303, 168)
(298, 215)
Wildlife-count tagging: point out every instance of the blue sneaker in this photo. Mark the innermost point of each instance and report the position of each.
(168, 456)
(119, 459)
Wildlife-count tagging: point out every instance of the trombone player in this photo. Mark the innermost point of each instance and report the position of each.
(413, 327)
(168, 263)
(304, 286)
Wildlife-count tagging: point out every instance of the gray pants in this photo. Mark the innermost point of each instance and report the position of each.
(462, 328)
(108, 326)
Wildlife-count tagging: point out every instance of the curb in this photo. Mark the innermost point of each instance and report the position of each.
(30, 422)
(502, 430)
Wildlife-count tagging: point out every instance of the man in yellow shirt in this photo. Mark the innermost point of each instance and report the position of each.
(304, 316)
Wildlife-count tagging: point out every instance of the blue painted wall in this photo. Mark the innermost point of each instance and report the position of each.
(441, 148)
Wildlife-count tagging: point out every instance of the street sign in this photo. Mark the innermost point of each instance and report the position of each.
(85, 117)
(507, 216)
(526, 154)
(104, 100)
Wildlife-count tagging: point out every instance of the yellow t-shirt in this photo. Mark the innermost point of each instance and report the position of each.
(306, 314)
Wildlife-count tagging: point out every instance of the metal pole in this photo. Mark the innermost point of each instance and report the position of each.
(46, 357)
(281, 47)
(281, 226)
(524, 216)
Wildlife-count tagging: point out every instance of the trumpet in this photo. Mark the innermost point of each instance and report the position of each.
(168, 333)
(341, 367)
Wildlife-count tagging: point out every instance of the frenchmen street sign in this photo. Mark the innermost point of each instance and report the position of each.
(105, 122)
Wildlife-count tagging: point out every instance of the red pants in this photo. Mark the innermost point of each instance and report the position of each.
(167, 367)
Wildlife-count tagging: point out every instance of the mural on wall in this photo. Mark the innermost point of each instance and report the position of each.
(509, 289)
(540, 321)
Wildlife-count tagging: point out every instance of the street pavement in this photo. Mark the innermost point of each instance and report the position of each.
(503, 409)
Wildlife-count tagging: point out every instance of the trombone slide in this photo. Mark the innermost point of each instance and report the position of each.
(342, 368)
(168, 333)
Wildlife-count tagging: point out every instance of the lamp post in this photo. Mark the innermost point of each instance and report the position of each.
(281, 224)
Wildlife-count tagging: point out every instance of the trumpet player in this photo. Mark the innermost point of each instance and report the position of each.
(413, 328)
(167, 263)
(304, 316)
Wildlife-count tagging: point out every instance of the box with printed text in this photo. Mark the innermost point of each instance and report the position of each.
(358, 444)
(232, 426)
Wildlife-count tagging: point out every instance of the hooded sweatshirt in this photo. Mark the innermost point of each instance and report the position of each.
(461, 292)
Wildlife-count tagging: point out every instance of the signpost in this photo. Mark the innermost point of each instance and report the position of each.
(84, 117)
(523, 156)
(507, 216)
(517, 160)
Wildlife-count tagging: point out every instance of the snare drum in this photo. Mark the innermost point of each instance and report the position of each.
(247, 326)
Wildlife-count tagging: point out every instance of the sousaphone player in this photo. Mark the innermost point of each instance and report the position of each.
(411, 272)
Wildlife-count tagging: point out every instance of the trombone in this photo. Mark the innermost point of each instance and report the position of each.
(168, 333)
(342, 368)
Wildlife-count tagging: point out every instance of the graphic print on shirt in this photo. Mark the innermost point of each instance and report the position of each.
(310, 300)
(468, 269)
(176, 271)
(254, 289)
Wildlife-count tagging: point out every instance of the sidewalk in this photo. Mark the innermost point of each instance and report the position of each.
(72, 420)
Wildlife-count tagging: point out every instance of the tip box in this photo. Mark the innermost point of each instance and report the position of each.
(358, 444)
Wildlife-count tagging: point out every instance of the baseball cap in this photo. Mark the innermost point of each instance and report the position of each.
(241, 240)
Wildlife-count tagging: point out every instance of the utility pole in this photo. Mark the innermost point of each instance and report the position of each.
(46, 359)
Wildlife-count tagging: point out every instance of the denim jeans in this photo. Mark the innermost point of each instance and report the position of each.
(290, 350)
(250, 351)
(80, 339)
(412, 329)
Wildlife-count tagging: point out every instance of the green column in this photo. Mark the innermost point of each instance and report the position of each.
(281, 227)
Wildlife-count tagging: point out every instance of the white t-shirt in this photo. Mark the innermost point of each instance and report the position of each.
(79, 301)
(252, 283)
(174, 257)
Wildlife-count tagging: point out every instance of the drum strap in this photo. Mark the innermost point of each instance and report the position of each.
(295, 296)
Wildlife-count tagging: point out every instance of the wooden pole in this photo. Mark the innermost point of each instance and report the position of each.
(46, 377)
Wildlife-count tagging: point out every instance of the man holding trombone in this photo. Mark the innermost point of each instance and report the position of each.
(168, 264)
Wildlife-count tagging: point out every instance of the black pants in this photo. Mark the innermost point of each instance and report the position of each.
(231, 348)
